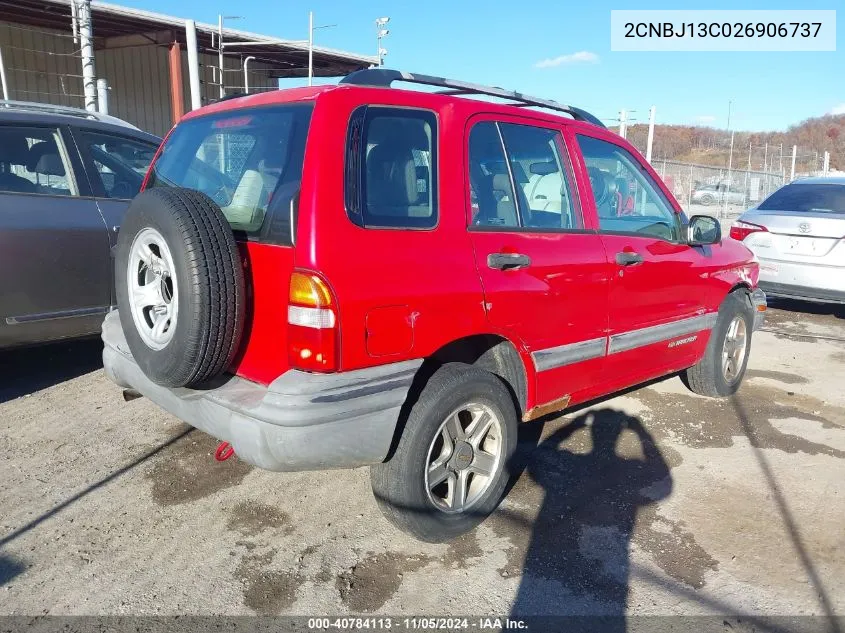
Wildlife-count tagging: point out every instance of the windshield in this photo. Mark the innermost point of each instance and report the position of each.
(807, 199)
(249, 161)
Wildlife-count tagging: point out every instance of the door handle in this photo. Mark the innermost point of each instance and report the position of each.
(508, 261)
(628, 258)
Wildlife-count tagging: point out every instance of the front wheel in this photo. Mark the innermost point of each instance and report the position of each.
(451, 464)
(720, 372)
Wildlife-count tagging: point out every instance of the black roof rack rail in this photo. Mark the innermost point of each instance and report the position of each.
(384, 77)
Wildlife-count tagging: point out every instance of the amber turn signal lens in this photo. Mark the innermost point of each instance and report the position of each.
(309, 290)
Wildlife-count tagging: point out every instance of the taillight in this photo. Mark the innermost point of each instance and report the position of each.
(741, 230)
(312, 324)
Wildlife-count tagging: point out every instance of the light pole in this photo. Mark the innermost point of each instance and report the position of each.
(381, 32)
(311, 29)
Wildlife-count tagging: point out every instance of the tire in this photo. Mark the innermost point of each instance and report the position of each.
(708, 377)
(400, 484)
(707, 200)
(204, 302)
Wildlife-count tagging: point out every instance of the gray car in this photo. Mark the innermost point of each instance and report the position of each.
(66, 179)
(718, 193)
(798, 234)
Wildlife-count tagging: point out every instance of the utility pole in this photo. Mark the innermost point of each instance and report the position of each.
(193, 63)
(650, 141)
(766, 157)
(86, 45)
(381, 32)
(310, 48)
(792, 173)
(730, 165)
(623, 123)
(826, 167)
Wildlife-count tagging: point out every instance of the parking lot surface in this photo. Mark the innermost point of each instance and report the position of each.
(655, 501)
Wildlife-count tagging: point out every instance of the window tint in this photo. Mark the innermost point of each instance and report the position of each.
(249, 161)
(491, 193)
(807, 198)
(627, 199)
(542, 187)
(33, 160)
(391, 175)
(120, 162)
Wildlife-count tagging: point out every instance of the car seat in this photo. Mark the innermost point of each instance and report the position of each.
(14, 150)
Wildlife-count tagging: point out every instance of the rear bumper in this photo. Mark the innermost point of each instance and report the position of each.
(805, 293)
(300, 421)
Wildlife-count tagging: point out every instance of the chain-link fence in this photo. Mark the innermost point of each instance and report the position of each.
(714, 190)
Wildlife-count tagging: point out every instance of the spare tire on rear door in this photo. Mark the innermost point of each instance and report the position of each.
(180, 286)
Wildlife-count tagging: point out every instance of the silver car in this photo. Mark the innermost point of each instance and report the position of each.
(798, 234)
(717, 193)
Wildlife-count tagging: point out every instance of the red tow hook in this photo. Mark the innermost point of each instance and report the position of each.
(224, 451)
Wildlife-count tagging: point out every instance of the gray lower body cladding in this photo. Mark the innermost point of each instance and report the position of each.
(300, 421)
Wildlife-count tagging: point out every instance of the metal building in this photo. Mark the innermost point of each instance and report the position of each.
(143, 57)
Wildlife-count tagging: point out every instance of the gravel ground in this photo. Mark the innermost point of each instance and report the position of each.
(704, 506)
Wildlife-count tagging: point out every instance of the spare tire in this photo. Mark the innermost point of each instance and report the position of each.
(180, 286)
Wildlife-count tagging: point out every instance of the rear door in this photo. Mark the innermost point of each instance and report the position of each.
(543, 269)
(54, 253)
(659, 286)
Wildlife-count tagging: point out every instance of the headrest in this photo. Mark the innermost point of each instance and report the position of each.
(51, 165)
(391, 175)
(44, 159)
(14, 149)
(501, 182)
(543, 168)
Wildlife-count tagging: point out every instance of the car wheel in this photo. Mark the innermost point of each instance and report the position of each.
(707, 200)
(451, 464)
(720, 372)
(179, 285)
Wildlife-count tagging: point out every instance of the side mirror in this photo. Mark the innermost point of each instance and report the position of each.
(703, 230)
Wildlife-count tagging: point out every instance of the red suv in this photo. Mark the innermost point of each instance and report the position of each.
(358, 275)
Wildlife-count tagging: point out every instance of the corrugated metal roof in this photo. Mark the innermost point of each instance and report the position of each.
(111, 20)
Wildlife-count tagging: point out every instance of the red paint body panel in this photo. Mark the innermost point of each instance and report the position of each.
(404, 294)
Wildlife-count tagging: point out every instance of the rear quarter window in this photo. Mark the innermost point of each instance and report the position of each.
(391, 174)
(249, 161)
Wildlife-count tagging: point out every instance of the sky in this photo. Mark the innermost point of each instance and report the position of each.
(561, 50)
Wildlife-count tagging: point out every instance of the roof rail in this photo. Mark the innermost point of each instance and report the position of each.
(50, 108)
(384, 77)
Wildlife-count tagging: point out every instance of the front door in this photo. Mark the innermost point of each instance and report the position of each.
(54, 252)
(659, 284)
(544, 272)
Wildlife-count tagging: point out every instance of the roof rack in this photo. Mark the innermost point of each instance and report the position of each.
(384, 77)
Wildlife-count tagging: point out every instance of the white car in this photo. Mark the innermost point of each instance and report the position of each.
(798, 234)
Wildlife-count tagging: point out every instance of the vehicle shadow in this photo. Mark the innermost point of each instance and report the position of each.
(577, 560)
(807, 307)
(26, 370)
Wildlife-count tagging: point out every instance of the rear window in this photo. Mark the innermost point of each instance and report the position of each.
(248, 161)
(806, 198)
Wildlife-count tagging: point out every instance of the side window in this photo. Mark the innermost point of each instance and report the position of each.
(491, 193)
(542, 186)
(391, 168)
(517, 178)
(627, 199)
(34, 160)
(120, 162)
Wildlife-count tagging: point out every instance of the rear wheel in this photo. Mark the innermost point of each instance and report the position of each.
(721, 370)
(707, 200)
(451, 464)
